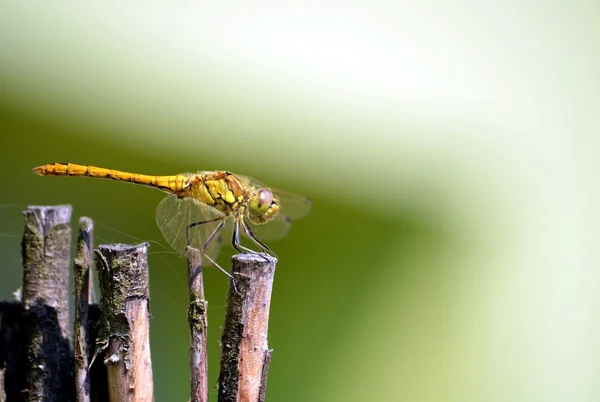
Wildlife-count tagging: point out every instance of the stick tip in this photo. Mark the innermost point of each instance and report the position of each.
(86, 224)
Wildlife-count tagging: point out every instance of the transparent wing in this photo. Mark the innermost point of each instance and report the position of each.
(273, 230)
(174, 215)
(291, 208)
(293, 205)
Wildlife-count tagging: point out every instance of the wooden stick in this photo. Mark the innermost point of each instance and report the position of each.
(83, 260)
(46, 260)
(246, 356)
(124, 283)
(198, 322)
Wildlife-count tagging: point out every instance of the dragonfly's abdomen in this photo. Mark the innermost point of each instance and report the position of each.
(222, 190)
(170, 184)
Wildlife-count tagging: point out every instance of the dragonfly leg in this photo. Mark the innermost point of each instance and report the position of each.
(264, 248)
(193, 224)
(236, 243)
(235, 240)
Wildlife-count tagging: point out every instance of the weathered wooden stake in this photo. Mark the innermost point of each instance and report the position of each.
(125, 337)
(45, 252)
(245, 357)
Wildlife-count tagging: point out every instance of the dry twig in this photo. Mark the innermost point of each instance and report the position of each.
(124, 284)
(198, 324)
(246, 356)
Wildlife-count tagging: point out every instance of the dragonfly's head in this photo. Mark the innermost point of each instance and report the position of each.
(263, 206)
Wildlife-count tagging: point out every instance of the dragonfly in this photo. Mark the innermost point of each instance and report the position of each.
(201, 209)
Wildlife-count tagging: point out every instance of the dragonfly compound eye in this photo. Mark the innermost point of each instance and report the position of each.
(260, 202)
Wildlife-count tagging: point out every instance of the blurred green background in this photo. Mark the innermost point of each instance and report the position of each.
(450, 150)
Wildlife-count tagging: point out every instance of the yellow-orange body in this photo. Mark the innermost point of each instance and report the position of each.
(220, 189)
(202, 207)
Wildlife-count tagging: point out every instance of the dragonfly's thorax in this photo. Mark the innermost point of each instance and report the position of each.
(221, 190)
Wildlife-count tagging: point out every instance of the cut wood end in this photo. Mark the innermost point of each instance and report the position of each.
(256, 258)
(118, 247)
(60, 214)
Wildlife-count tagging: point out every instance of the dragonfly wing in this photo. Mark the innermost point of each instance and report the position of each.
(174, 215)
(273, 230)
(292, 205)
